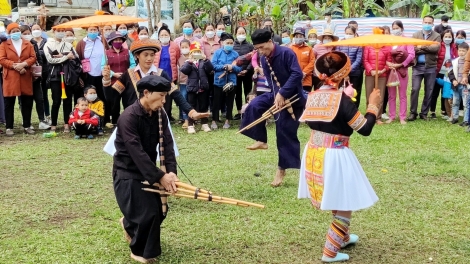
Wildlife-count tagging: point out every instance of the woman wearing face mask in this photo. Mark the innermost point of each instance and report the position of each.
(325, 38)
(244, 78)
(16, 58)
(57, 52)
(286, 38)
(222, 62)
(37, 90)
(356, 74)
(107, 30)
(211, 43)
(220, 28)
(188, 30)
(122, 28)
(114, 63)
(183, 78)
(448, 51)
(369, 59)
(143, 33)
(167, 59)
(305, 57)
(402, 56)
(198, 32)
(77, 89)
(90, 50)
(312, 37)
(132, 31)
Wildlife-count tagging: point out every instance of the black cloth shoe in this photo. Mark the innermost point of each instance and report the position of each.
(425, 118)
(433, 116)
(237, 117)
(455, 121)
(411, 117)
(464, 124)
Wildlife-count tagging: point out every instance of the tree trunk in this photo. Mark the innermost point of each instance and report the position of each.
(157, 7)
(149, 16)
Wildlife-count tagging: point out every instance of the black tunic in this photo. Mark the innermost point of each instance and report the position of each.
(134, 161)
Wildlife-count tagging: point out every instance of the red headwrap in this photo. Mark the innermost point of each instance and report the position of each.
(12, 26)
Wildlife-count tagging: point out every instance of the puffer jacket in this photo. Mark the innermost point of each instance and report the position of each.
(219, 60)
(369, 58)
(442, 54)
(306, 59)
(197, 75)
(244, 48)
(355, 55)
(174, 56)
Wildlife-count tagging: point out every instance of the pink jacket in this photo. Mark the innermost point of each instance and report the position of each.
(208, 48)
(174, 56)
(369, 58)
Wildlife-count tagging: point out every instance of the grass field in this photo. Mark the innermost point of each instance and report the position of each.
(58, 206)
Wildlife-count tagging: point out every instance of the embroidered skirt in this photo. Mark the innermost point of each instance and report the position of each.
(331, 176)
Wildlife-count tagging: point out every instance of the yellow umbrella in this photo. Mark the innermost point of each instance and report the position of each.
(379, 40)
(99, 21)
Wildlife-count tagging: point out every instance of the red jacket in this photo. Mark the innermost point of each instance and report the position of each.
(89, 116)
(442, 54)
(369, 57)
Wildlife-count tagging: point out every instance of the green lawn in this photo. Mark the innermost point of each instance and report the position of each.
(58, 206)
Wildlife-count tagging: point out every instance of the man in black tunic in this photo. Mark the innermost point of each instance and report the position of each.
(136, 142)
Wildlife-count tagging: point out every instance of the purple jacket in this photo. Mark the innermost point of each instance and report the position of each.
(287, 70)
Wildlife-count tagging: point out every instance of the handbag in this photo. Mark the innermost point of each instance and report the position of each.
(393, 79)
(72, 70)
(229, 86)
(36, 70)
(86, 64)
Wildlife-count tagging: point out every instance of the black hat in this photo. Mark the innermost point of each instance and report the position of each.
(115, 35)
(153, 83)
(260, 36)
(226, 36)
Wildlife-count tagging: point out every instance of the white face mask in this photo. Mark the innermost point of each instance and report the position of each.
(141, 37)
(325, 41)
(91, 97)
(241, 38)
(27, 37)
(69, 39)
(185, 51)
(348, 36)
(164, 40)
(396, 32)
(36, 33)
(445, 24)
(299, 41)
(447, 40)
(210, 34)
(60, 35)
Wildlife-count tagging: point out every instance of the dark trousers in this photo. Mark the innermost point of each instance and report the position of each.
(45, 87)
(97, 81)
(142, 216)
(420, 72)
(219, 101)
(2, 102)
(357, 82)
(288, 144)
(168, 105)
(26, 109)
(200, 102)
(113, 98)
(315, 83)
(385, 102)
(247, 83)
(56, 91)
(435, 94)
(210, 79)
(38, 99)
(78, 91)
(82, 129)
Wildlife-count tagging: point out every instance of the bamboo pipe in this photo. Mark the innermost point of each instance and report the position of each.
(188, 196)
(204, 195)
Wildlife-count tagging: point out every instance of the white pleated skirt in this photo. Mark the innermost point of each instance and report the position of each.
(345, 185)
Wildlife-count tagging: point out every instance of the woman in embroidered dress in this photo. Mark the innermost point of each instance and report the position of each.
(331, 175)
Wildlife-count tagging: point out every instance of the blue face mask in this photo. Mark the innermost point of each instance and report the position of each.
(219, 32)
(123, 32)
(188, 31)
(459, 41)
(15, 36)
(285, 40)
(228, 47)
(427, 27)
(92, 35)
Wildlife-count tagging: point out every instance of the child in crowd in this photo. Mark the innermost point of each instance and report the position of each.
(95, 105)
(197, 68)
(83, 120)
(183, 78)
(460, 90)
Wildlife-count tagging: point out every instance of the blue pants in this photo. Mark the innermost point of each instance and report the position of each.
(288, 144)
(184, 93)
(458, 96)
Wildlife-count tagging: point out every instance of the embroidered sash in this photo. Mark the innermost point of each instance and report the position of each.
(322, 105)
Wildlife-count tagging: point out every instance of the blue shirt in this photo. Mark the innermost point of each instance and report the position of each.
(219, 60)
(165, 61)
(422, 57)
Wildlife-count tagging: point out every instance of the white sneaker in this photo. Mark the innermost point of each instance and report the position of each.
(44, 126)
(385, 116)
(191, 130)
(206, 128)
(49, 120)
(31, 127)
(9, 132)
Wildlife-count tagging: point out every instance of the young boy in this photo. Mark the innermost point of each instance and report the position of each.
(95, 105)
(83, 120)
(460, 90)
(183, 78)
